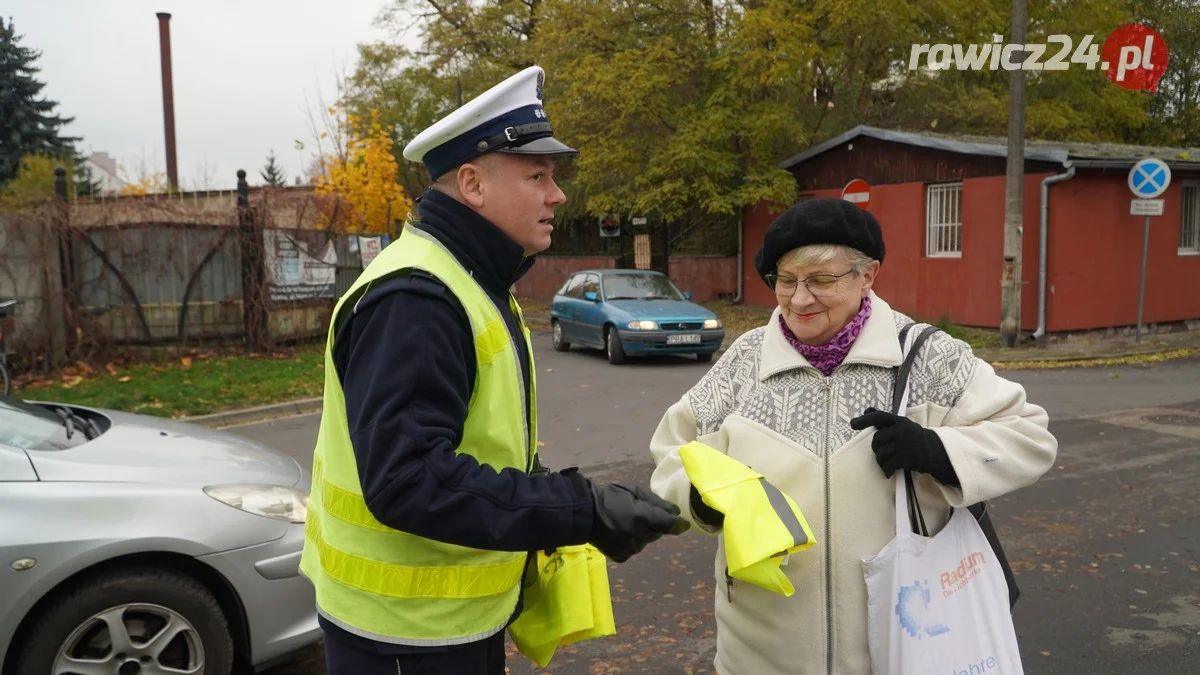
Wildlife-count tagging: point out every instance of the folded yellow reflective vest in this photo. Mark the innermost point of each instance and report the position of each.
(567, 601)
(762, 525)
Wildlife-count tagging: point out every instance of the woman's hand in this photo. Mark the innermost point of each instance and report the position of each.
(900, 443)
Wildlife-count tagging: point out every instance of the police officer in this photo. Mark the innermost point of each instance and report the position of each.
(427, 493)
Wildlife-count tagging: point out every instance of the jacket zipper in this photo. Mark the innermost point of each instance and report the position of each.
(828, 533)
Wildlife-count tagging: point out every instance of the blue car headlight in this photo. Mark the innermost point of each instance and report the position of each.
(643, 325)
(712, 323)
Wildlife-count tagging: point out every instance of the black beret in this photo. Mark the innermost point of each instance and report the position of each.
(819, 221)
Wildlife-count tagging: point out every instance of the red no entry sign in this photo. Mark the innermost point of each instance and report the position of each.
(857, 192)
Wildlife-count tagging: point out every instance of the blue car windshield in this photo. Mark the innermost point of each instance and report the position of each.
(640, 287)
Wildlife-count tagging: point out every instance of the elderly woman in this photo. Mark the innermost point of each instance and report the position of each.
(791, 399)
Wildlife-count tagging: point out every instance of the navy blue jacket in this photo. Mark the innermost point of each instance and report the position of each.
(405, 356)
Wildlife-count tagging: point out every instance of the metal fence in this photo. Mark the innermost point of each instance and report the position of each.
(102, 276)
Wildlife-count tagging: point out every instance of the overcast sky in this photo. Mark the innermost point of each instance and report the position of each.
(246, 73)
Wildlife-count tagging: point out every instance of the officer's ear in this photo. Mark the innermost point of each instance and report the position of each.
(469, 181)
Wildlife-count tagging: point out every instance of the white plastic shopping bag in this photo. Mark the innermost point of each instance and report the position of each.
(938, 605)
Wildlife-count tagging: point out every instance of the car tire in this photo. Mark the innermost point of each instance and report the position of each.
(612, 346)
(149, 600)
(704, 357)
(556, 336)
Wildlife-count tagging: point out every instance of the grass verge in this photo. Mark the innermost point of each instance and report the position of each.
(199, 384)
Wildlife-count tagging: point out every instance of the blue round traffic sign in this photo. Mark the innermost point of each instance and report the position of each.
(1149, 178)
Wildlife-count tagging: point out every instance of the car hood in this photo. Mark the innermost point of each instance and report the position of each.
(143, 449)
(663, 309)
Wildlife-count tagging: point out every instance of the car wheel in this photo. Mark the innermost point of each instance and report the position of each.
(704, 357)
(560, 342)
(141, 620)
(612, 345)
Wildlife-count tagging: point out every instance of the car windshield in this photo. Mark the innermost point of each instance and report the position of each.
(640, 287)
(33, 427)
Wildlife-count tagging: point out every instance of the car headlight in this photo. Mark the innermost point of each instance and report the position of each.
(712, 323)
(643, 325)
(269, 501)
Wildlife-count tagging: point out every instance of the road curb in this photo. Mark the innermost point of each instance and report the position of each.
(259, 413)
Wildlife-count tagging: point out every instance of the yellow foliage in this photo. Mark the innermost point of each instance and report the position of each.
(365, 180)
(146, 184)
(33, 184)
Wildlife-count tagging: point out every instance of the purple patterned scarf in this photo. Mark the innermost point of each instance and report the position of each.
(828, 356)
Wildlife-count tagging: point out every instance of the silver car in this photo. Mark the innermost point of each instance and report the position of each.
(136, 545)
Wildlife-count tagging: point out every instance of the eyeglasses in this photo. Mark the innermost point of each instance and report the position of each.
(817, 284)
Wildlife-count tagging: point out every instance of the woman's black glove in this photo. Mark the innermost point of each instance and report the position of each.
(901, 443)
(703, 512)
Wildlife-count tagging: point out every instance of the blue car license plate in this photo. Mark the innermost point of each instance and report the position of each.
(685, 339)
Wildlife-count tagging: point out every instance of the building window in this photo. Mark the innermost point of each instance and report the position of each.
(1189, 224)
(943, 221)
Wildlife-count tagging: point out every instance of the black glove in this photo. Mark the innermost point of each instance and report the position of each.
(901, 443)
(705, 513)
(628, 518)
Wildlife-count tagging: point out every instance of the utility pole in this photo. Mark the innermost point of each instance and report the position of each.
(1011, 276)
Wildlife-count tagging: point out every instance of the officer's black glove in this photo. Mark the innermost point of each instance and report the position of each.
(703, 512)
(901, 443)
(628, 518)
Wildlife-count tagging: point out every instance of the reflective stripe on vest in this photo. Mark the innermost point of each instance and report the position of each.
(395, 586)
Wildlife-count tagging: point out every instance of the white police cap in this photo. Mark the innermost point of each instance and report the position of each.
(506, 118)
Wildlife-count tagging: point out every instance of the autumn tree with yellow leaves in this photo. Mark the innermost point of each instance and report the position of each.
(362, 175)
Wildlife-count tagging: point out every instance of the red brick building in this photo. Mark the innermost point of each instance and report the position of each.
(940, 200)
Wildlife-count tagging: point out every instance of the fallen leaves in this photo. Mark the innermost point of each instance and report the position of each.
(1083, 362)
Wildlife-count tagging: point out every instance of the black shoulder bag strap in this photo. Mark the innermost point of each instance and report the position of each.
(980, 511)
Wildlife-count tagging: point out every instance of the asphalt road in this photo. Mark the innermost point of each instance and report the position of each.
(1106, 546)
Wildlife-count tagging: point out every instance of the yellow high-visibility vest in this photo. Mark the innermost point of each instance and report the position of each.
(393, 586)
(762, 525)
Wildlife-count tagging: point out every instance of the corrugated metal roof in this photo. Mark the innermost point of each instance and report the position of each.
(1083, 155)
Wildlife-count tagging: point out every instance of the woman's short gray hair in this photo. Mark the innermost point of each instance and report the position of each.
(815, 254)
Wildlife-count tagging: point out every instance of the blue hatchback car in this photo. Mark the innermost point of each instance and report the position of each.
(632, 313)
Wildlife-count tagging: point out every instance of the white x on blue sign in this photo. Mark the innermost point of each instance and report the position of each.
(1149, 178)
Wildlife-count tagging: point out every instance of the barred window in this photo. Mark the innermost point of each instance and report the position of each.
(1189, 224)
(943, 221)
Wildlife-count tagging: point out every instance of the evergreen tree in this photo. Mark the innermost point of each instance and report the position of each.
(86, 185)
(272, 172)
(29, 125)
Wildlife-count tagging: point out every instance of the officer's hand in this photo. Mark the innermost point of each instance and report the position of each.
(628, 518)
(900, 443)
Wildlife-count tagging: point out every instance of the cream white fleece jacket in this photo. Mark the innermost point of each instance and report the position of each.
(764, 405)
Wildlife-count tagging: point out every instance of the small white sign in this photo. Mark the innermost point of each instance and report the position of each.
(369, 248)
(1145, 207)
(639, 220)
